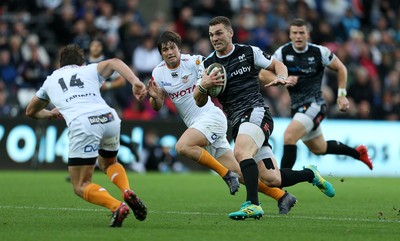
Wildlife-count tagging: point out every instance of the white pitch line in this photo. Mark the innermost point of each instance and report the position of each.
(209, 214)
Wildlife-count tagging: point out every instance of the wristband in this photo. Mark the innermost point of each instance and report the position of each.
(202, 89)
(341, 92)
(279, 76)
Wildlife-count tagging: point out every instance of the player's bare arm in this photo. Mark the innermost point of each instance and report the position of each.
(107, 67)
(341, 70)
(275, 74)
(267, 78)
(207, 81)
(157, 95)
(36, 110)
(115, 83)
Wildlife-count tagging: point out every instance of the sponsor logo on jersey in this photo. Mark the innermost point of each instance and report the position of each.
(311, 60)
(101, 119)
(91, 148)
(185, 78)
(241, 71)
(297, 69)
(181, 93)
(166, 83)
(79, 96)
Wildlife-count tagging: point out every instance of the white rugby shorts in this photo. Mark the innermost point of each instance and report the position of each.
(306, 119)
(214, 125)
(93, 131)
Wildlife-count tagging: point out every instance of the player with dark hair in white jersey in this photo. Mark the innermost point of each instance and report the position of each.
(306, 63)
(249, 118)
(94, 127)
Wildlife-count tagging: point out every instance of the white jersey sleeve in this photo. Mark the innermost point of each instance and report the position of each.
(278, 54)
(261, 59)
(327, 55)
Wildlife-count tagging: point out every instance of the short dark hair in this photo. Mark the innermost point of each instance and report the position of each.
(71, 54)
(299, 22)
(221, 19)
(168, 37)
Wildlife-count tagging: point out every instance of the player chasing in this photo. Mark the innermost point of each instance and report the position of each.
(94, 127)
(306, 63)
(250, 119)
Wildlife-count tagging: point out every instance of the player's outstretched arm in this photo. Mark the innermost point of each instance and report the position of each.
(275, 74)
(107, 67)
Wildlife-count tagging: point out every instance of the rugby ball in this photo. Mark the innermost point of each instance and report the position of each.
(217, 90)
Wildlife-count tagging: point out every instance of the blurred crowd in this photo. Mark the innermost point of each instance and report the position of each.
(364, 34)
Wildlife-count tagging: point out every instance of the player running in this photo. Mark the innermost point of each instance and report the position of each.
(205, 139)
(94, 127)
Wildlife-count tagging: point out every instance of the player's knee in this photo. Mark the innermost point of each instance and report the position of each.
(289, 138)
(318, 151)
(240, 154)
(183, 149)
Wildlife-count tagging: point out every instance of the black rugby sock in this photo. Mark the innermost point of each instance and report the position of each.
(338, 148)
(289, 156)
(250, 176)
(290, 177)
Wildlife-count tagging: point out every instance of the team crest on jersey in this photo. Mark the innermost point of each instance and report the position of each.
(311, 60)
(242, 58)
(197, 61)
(185, 78)
(289, 57)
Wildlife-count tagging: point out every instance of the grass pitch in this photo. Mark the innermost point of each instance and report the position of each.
(40, 205)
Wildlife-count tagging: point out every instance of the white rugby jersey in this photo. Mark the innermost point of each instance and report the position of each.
(179, 85)
(74, 90)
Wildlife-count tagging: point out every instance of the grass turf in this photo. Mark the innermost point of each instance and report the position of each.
(40, 205)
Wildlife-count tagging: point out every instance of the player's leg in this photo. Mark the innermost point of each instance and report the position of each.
(84, 140)
(245, 148)
(190, 145)
(108, 150)
(81, 176)
(283, 198)
(305, 120)
(285, 177)
(294, 132)
(208, 129)
(269, 173)
(318, 145)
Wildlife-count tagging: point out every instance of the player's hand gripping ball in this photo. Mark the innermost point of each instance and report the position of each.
(217, 90)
